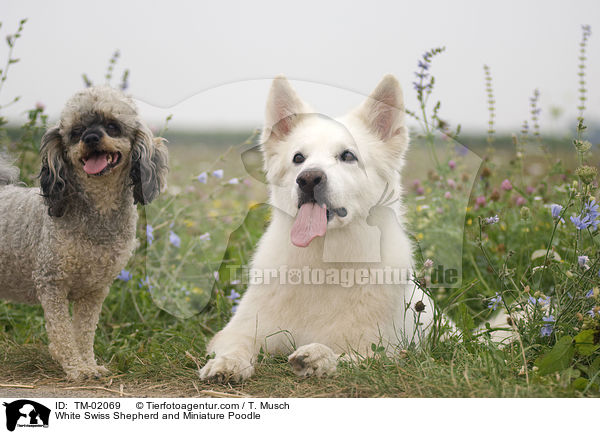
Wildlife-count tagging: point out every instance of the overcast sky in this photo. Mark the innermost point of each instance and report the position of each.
(209, 63)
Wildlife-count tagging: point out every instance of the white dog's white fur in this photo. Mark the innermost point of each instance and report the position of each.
(324, 321)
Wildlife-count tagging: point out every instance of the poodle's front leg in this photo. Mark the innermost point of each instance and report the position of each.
(86, 312)
(60, 333)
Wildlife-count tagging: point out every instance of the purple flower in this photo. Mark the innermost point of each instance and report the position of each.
(203, 177)
(590, 293)
(494, 302)
(451, 183)
(204, 237)
(448, 195)
(480, 200)
(548, 326)
(491, 220)
(582, 260)
(420, 190)
(233, 181)
(174, 239)
(506, 185)
(423, 65)
(218, 173)
(541, 301)
(452, 164)
(520, 201)
(149, 234)
(124, 275)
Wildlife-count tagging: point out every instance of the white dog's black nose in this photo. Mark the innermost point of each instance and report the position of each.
(92, 138)
(309, 179)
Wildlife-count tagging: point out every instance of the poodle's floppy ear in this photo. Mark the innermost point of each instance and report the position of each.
(55, 175)
(149, 165)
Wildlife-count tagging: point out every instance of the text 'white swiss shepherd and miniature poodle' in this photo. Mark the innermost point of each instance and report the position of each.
(335, 192)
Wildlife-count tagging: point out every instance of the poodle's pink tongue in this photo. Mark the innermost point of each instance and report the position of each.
(311, 222)
(95, 164)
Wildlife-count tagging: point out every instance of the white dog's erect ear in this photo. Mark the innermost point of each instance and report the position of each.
(383, 111)
(283, 106)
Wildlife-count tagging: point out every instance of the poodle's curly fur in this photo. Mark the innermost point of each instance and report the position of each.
(67, 240)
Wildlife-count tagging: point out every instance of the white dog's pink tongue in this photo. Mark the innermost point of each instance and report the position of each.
(311, 222)
(95, 164)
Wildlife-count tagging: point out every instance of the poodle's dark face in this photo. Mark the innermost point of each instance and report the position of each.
(100, 147)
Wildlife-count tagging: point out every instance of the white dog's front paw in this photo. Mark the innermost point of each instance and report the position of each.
(224, 369)
(313, 359)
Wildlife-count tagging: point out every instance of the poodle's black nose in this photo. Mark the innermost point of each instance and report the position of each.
(311, 179)
(92, 138)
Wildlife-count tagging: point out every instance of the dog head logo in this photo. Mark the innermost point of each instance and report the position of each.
(26, 413)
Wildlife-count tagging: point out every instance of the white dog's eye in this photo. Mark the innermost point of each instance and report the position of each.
(348, 156)
(298, 158)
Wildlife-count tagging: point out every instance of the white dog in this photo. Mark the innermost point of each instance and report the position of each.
(336, 196)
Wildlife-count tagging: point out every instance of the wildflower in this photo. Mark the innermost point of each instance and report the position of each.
(529, 189)
(451, 183)
(548, 326)
(582, 261)
(525, 213)
(39, 106)
(592, 209)
(590, 293)
(587, 174)
(233, 181)
(428, 263)
(506, 185)
(420, 190)
(491, 220)
(204, 237)
(448, 195)
(203, 177)
(540, 301)
(423, 65)
(520, 201)
(495, 195)
(124, 275)
(235, 282)
(174, 239)
(494, 302)
(582, 145)
(580, 221)
(480, 200)
(149, 234)
(555, 209)
(452, 164)
(592, 313)
(233, 295)
(216, 275)
(218, 173)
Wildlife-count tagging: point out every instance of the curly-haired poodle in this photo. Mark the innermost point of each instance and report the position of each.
(67, 240)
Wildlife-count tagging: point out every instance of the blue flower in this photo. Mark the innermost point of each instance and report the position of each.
(581, 222)
(423, 65)
(204, 237)
(234, 295)
(218, 173)
(548, 326)
(592, 313)
(124, 275)
(593, 214)
(582, 260)
(494, 302)
(174, 239)
(233, 181)
(146, 283)
(542, 301)
(556, 209)
(149, 234)
(203, 177)
(590, 293)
